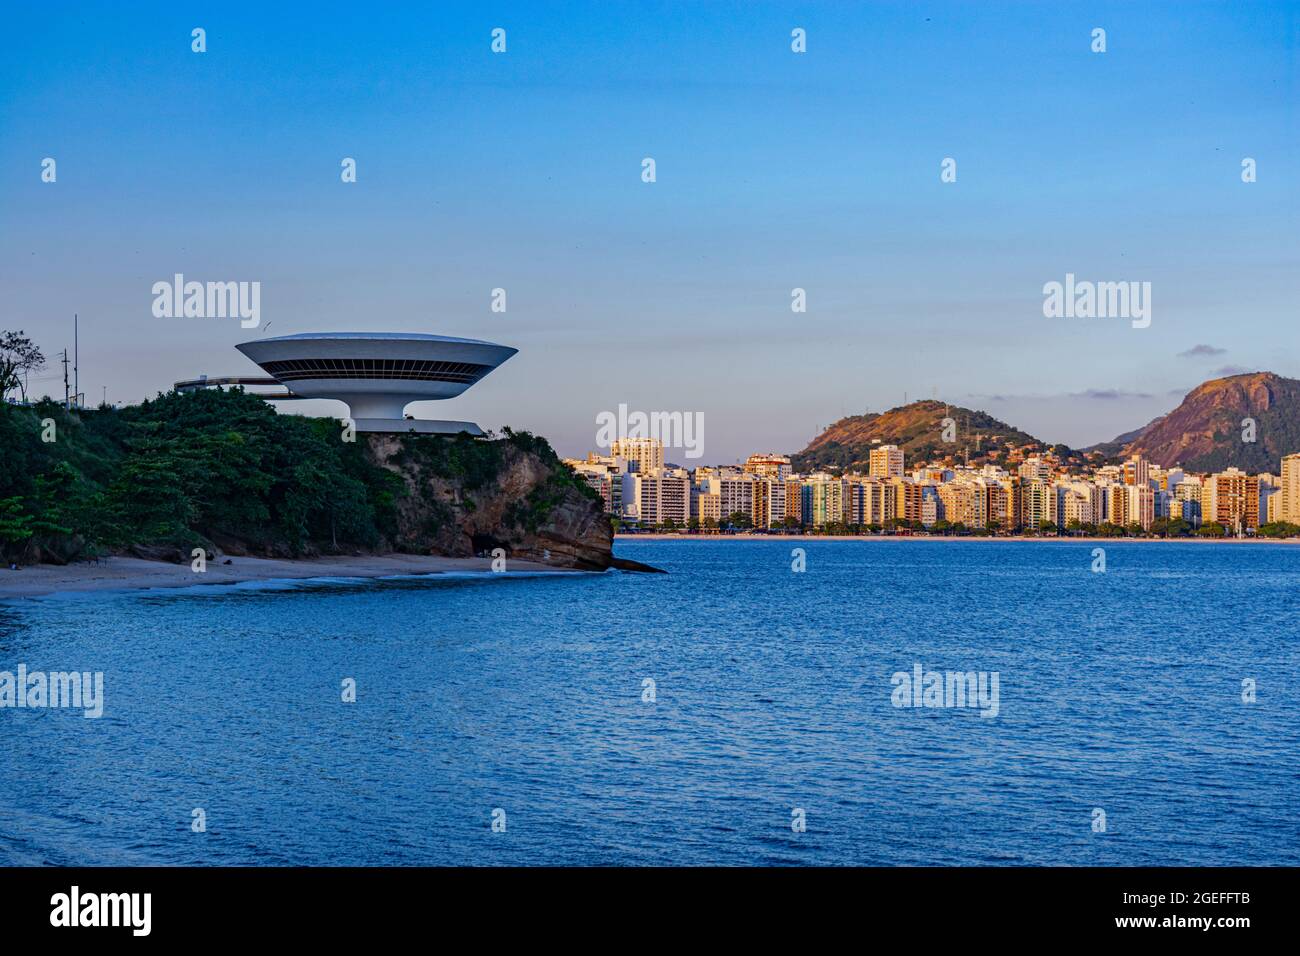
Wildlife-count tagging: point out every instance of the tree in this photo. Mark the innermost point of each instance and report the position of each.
(15, 527)
(738, 519)
(53, 493)
(1169, 527)
(18, 355)
(1279, 529)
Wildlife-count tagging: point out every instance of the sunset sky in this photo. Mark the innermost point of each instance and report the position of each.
(775, 170)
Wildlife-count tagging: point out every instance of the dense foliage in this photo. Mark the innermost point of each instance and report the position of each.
(211, 467)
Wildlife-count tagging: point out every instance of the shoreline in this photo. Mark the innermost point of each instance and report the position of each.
(1064, 539)
(133, 574)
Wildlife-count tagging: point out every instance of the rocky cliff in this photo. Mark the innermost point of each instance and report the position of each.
(1211, 429)
(522, 499)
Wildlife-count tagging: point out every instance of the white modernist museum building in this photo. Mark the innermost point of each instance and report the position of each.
(376, 373)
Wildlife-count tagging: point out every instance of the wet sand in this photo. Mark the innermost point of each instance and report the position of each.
(125, 573)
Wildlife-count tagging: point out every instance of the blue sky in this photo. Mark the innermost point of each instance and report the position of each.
(775, 171)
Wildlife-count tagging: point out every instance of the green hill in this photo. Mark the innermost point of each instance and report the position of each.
(917, 428)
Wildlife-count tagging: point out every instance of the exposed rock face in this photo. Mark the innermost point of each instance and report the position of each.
(530, 507)
(1205, 432)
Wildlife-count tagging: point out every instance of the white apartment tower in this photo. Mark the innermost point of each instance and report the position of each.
(646, 453)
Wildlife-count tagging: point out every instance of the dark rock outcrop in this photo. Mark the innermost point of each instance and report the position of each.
(531, 505)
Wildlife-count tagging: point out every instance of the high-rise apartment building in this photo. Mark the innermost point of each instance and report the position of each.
(823, 500)
(1034, 468)
(1288, 505)
(1137, 471)
(736, 493)
(645, 455)
(1035, 501)
(1231, 498)
(794, 500)
(768, 466)
(885, 461)
(1141, 505)
(907, 499)
(656, 498)
(996, 503)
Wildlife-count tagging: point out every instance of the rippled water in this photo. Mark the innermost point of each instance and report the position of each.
(1120, 691)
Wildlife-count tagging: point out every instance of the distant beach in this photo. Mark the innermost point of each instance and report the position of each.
(124, 573)
(649, 536)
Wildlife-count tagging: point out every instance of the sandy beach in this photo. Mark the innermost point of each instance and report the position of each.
(125, 573)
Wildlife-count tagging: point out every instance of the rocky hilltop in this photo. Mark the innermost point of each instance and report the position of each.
(917, 428)
(1205, 432)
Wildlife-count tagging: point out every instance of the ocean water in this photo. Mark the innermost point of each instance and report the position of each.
(1119, 691)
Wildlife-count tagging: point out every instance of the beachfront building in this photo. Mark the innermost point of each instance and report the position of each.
(1039, 494)
(736, 494)
(706, 507)
(793, 501)
(1141, 505)
(1231, 498)
(962, 503)
(1038, 502)
(1288, 505)
(1270, 489)
(823, 500)
(658, 498)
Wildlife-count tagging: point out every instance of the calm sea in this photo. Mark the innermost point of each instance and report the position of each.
(522, 699)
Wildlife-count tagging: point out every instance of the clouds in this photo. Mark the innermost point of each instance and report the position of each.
(1087, 394)
(1108, 394)
(1090, 394)
(1202, 351)
(1212, 351)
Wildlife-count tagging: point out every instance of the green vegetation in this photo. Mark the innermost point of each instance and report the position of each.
(211, 468)
(1279, 529)
(917, 428)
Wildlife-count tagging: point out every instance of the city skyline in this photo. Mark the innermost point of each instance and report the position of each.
(1029, 490)
(776, 171)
